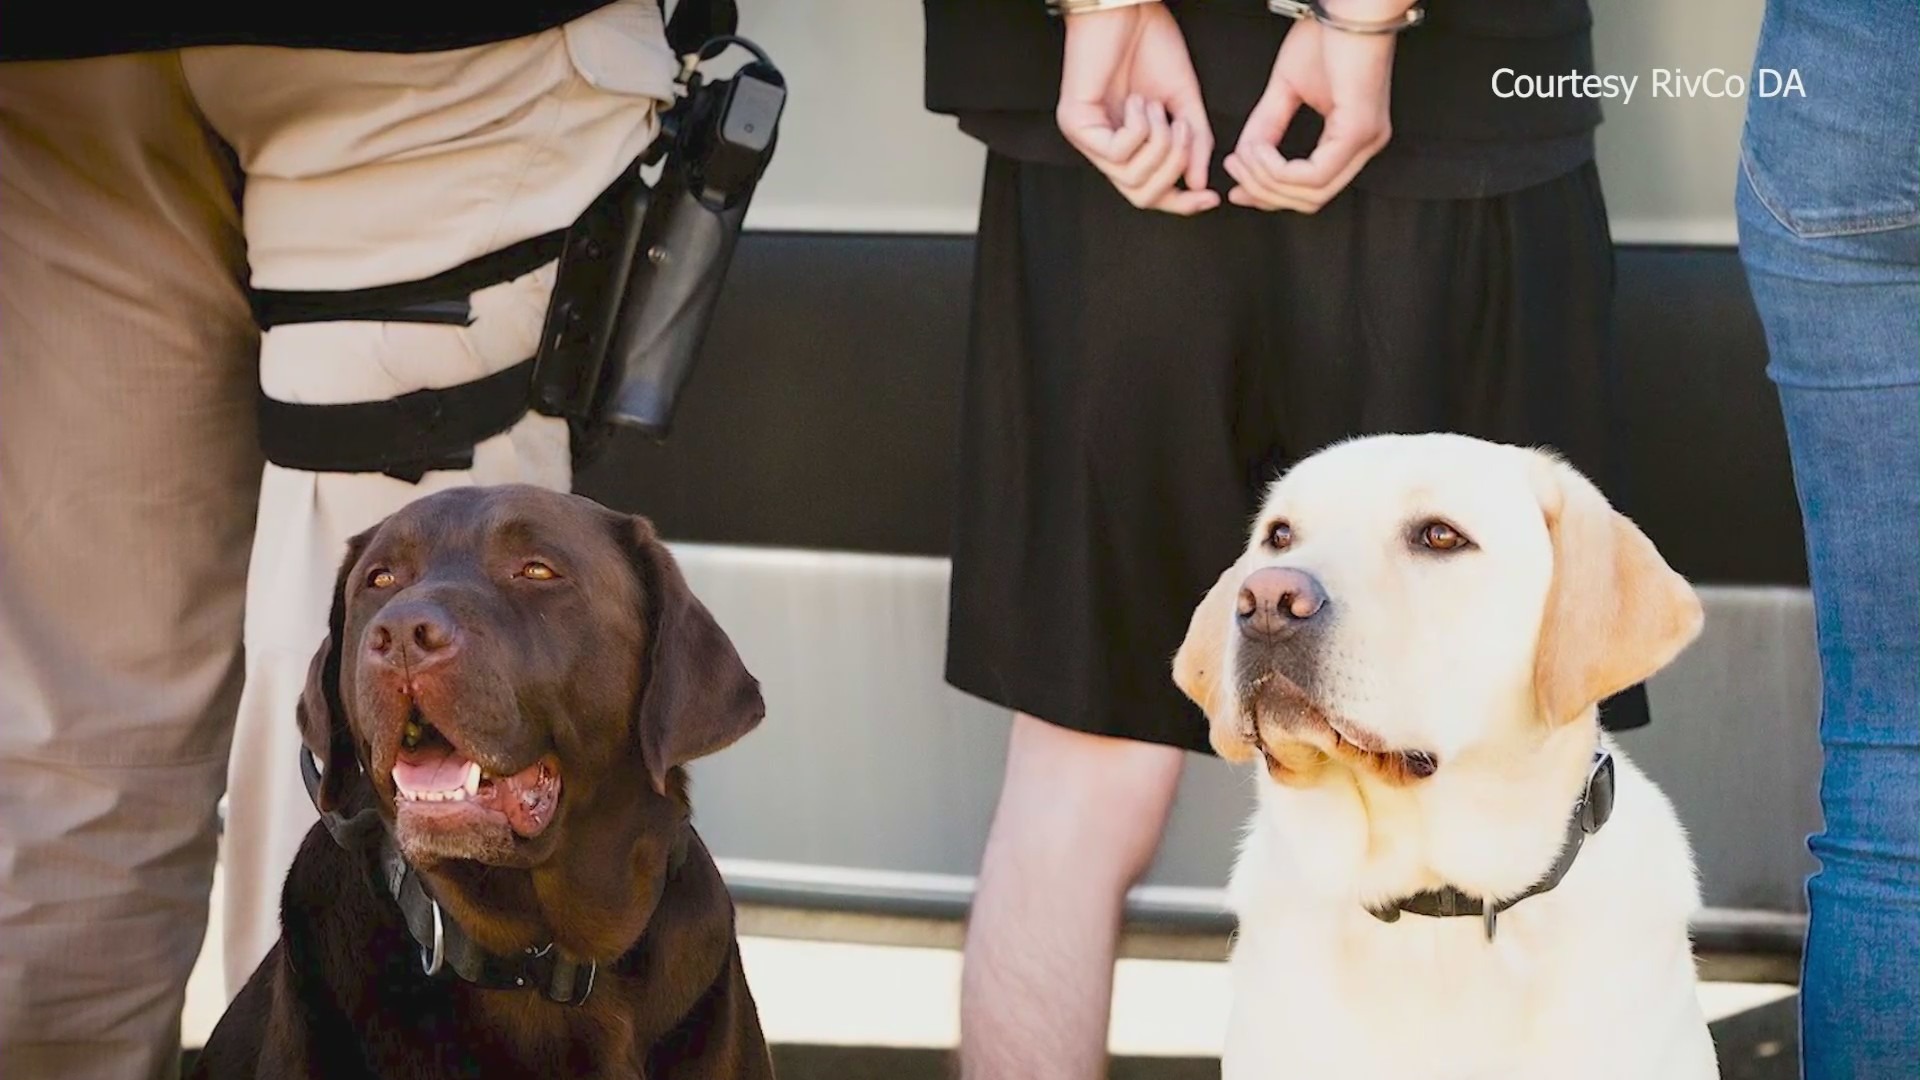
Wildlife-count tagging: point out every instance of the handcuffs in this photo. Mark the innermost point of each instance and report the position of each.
(1290, 9)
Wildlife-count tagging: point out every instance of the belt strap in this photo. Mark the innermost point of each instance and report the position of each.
(414, 434)
(441, 298)
(406, 436)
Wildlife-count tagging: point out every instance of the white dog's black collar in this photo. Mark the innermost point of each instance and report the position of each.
(1590, 812)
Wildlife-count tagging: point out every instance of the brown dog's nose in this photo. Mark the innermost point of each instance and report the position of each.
(413, 635)
(1276, 601)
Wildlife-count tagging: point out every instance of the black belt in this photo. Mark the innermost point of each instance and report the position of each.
(441, 298)
(413, 434)
(406, 436)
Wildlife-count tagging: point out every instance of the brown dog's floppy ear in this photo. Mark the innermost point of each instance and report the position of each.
(1616, 613)
(698, 696)
(1199, 668)
(322, 716)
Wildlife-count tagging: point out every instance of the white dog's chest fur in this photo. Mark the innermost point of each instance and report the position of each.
(1593, 979)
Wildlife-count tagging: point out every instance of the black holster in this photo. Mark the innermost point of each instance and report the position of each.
(642, 269)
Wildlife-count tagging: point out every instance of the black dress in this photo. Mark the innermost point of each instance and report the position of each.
(1135, 379)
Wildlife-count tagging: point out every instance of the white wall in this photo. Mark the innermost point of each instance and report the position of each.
(1668, 165)
(857, 151)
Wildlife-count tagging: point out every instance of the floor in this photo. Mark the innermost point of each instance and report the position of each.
(853, 1009)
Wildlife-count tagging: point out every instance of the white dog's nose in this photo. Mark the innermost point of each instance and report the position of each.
(1276, 601)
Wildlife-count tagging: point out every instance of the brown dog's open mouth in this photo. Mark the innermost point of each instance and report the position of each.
(433, 778)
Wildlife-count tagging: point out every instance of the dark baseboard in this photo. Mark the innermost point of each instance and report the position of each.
(823, 413)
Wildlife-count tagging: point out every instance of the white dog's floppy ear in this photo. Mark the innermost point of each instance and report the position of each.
(1200, 666)
(1616, 612)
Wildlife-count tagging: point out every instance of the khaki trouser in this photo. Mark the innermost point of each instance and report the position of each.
(130, 552)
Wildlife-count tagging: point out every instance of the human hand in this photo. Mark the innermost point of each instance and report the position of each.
(1130, 103)
(1347, 78)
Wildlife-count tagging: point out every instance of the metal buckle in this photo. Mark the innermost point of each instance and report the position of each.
(1596, 799)
(433, 961)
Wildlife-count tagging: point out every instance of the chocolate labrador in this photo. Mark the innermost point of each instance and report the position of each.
(505, 881)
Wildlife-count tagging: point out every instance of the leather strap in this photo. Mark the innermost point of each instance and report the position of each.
(404, 437)
(442, 298)
(414, 434)
(1590, 812)
(445, 946)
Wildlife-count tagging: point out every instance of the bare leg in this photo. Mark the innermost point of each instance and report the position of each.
(1079, 819)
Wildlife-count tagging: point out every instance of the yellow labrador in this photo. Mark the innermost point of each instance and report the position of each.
(1452, 872)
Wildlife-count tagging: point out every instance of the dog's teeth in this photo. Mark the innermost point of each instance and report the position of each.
(459, 794)
(470, 786)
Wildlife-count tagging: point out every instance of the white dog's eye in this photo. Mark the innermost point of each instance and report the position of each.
(1279, 536)
(1440, 536)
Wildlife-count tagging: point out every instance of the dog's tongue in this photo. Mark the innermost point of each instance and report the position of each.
(429, 768)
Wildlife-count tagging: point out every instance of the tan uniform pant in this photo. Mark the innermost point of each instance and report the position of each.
(136, 195)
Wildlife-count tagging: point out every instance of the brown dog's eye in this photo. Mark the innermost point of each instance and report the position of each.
(1440, 536)
(537, 571)
(381, 578)
(1279, 536)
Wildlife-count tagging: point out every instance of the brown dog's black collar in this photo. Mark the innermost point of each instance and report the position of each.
(1590, 812)
(444, 944)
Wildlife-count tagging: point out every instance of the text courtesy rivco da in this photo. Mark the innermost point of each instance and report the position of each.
(1656, 83)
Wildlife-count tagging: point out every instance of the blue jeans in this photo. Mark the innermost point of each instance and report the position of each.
(1829, 209)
